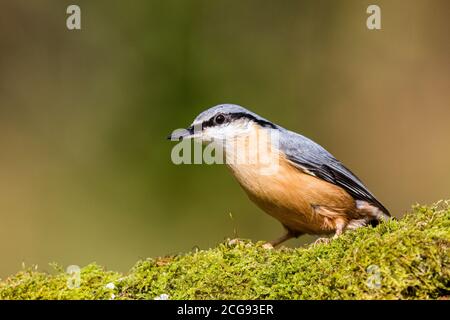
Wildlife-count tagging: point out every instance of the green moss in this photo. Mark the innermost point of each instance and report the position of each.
(407, 259)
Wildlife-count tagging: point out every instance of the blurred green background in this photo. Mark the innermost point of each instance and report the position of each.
(85, 170)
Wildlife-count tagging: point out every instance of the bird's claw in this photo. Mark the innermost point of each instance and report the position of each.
(233, 242)
(322, 241)
(267, 246)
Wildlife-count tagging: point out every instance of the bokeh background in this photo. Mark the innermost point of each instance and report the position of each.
(85, 170)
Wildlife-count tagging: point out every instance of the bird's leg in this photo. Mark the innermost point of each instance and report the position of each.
(288, 235)
(340, 227)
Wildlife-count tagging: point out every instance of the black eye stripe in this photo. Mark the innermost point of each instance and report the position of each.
(262, 123)
(208, 123)
(235, 116)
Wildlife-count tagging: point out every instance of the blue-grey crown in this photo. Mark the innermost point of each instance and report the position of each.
(233, 110)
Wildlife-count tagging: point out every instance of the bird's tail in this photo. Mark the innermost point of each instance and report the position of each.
(374, 214)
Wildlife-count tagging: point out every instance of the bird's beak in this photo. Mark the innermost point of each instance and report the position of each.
(181, 134)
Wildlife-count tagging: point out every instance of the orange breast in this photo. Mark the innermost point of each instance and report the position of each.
(292, 196)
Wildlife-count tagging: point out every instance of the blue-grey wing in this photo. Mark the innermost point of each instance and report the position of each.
(314, 159)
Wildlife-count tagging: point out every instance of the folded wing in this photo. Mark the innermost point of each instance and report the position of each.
(315, 160)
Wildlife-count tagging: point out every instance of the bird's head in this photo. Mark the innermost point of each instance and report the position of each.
(222, 122)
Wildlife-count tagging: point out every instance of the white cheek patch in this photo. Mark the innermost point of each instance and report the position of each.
(227, 131)
(212, 133)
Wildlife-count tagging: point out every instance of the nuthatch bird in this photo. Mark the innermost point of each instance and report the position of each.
(310, 192)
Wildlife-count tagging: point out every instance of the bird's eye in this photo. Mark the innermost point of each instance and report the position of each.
(220, 118)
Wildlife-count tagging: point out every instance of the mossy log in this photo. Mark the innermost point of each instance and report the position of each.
(404, 259)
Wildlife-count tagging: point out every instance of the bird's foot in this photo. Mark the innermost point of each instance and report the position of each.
(267, 246)
(233, 242)
(322, 241)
